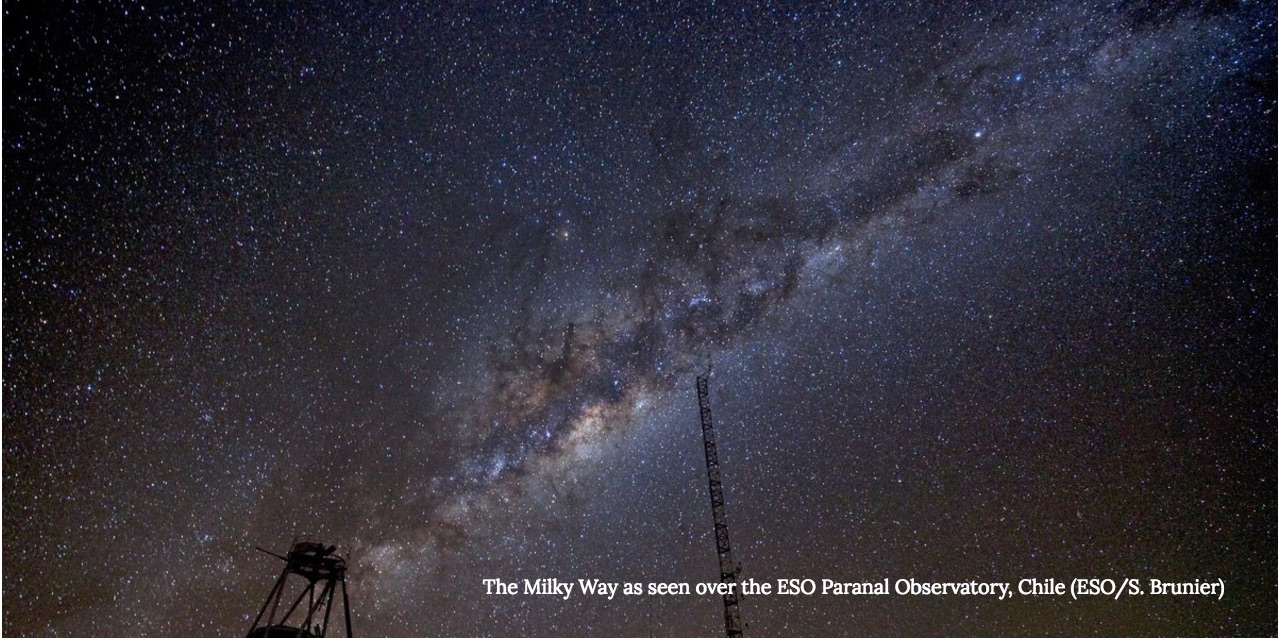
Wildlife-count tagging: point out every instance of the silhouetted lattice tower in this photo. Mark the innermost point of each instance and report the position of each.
(728, 570)
(311, 576)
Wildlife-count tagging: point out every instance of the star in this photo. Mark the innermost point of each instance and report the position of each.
(981, 292)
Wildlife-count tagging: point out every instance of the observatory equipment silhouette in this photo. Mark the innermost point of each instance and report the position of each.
(728, 570)
(312, 573)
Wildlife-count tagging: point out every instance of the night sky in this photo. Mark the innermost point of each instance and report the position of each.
(985, 291)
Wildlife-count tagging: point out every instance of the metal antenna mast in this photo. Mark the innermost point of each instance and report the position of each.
(728, 570)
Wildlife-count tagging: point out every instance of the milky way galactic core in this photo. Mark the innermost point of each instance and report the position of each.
(984, 289)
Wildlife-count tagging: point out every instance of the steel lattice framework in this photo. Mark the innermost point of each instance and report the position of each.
(728, 570)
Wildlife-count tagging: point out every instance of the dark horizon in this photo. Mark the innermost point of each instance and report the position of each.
(986, 291)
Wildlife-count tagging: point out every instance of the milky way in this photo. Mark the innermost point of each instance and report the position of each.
(982, 290)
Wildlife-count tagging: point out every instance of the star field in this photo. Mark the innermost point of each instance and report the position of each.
(985, 290)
